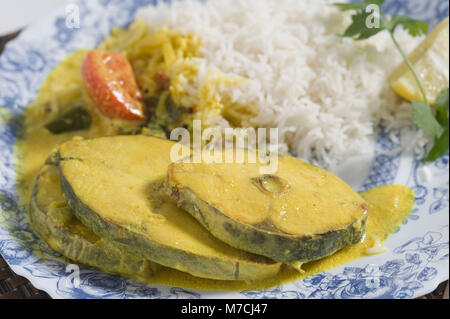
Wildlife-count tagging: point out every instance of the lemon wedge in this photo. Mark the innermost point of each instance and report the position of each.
(431, 63)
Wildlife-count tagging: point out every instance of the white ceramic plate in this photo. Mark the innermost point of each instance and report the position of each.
(415, 264)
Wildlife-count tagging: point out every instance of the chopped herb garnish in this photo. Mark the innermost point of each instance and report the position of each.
(442, 108)
(440, 147)
(363, 27)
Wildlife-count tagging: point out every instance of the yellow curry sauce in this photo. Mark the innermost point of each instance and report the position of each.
(389, 206)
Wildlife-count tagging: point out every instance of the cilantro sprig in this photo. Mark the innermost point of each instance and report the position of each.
(441, 139)
(434, 122)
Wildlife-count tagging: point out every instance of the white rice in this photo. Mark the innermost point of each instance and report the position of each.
(326, 95)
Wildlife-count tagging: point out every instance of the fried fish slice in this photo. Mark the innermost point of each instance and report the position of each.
(299, 214)
(115, 186)
(54, 222)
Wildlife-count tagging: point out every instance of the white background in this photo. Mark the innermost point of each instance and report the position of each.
(16, 14)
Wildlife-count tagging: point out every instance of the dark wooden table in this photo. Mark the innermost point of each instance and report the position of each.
(13, 286)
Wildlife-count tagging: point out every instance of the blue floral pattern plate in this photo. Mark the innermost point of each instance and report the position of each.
(417, 259)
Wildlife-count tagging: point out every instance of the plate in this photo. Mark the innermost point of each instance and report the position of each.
(417, 259)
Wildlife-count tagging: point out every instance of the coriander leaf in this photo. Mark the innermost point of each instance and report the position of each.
(414, 27)
(440, 147)
(442, 99)
(358, 5)
(363, 27)
(356, 26)
(442, 116)
(424, 118)
(377, 2)
(349, 6)
(442, 108)
(358, 29)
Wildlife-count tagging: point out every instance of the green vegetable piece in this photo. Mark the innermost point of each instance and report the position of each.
(154, 130)
(165, 111)
(151, 103)
(174, 111)
(75, 119)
